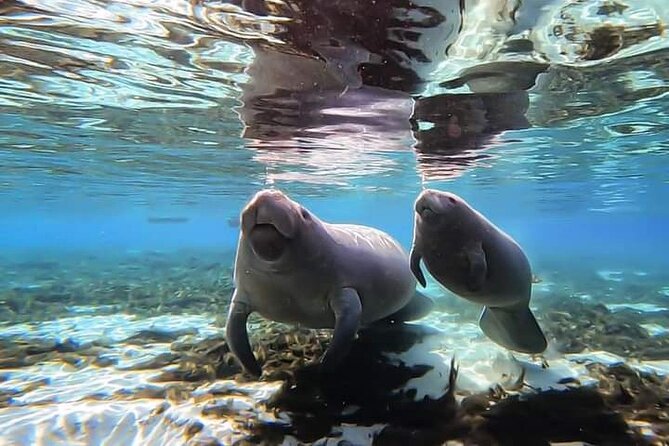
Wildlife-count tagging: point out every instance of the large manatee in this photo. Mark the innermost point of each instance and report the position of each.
(294, 268)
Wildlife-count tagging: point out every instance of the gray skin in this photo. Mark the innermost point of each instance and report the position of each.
(291, 267)
(471, 257)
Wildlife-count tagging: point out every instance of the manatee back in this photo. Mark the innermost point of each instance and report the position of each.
(509, 275)
(363, 238)
(376, 265)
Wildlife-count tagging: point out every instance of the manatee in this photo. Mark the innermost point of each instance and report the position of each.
(294, 268)
(474, 259)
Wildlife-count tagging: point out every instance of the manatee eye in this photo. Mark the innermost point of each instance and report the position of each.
(305, 214)
(452, 200)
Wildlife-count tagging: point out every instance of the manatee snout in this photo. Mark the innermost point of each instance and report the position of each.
(431, 203)
(269, 222)
(272, 208)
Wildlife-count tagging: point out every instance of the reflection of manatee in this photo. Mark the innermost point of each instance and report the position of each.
(348, 56)
(499, 77)
(450, 130)
(334, 119)
(447, 131)
(474, 259)
(344, 78)
(292, 267)
(326, 137)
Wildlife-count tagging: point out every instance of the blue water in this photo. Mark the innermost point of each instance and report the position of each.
(561, 191)
(138, 126)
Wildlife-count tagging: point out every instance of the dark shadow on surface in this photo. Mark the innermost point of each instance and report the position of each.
(391, 44)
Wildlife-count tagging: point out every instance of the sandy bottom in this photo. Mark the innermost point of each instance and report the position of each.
(114, 373)
(59, 403)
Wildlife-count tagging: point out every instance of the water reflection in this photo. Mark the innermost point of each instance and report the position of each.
(339, 101)
(451, 131)
(328, 133)
(342, 93)
(327, 137)
(568, 93)
(298, 112)
(391, 44)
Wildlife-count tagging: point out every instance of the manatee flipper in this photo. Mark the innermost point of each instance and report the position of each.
(418, 307)
(513, 328)
(478, 267)
(415, 267)
(347, 309)
(237, 336)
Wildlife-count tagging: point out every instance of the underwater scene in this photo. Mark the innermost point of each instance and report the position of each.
(287, 222)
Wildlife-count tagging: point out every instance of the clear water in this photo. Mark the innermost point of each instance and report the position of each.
(133, 132)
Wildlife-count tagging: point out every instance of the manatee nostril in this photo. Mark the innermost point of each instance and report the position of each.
(428, 213)
(424, 211)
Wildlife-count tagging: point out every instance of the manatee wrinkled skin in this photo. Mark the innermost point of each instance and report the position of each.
(294, 268)
(474, 259)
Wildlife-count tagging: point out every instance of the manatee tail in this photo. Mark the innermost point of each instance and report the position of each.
(513, 328)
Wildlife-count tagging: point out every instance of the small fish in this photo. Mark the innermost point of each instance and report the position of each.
(167, 220)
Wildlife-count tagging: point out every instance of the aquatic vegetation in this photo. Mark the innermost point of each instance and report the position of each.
(624, 406)
(578, 326)
(145, 284)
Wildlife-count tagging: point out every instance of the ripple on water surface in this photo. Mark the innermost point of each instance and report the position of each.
(156, 94)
